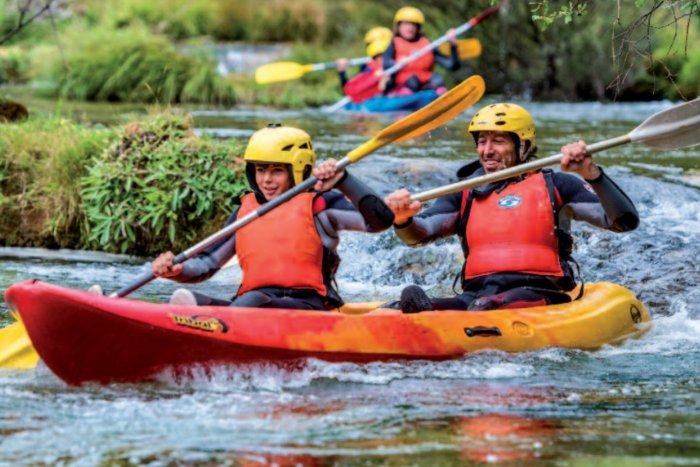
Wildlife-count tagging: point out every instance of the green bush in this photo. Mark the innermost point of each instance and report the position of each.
(160, 188)
(135, 66)
(41, 162)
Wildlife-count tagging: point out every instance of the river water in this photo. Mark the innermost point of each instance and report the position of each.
(633, 404)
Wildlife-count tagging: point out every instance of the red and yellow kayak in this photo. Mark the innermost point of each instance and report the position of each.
(84, 337)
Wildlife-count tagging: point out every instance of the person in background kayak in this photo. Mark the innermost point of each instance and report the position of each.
(418, 74)
(377, 40)
(514, 233)
(288, 256)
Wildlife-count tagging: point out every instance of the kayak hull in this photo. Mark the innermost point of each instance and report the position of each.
(84, 337)
(409, 103)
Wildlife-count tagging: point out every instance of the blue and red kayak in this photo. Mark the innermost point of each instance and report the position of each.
(409, 103)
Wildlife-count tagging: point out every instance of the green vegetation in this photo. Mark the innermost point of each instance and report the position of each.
(149, 186)
(135, 66)
(129, 50)
(159, 187)
(41, 162)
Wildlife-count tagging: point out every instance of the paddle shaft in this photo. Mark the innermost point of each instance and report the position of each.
(672, 128)
(512, 171)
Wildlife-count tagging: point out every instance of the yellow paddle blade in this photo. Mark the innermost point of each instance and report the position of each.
(16, 350)
(433, 115)
(467, 48)
(280, 71)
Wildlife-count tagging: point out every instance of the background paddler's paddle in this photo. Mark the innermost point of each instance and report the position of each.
(367, 84)
(430, 117)
(285, 71)
(674, 128)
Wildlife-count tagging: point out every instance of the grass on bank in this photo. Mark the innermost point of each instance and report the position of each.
(142, 188)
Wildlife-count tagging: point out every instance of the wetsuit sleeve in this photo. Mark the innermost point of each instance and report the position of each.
(388, 61)
(360, 209)
(438, 221)
(450, 63)
(209, 262)
(599, 202)
(343, 77)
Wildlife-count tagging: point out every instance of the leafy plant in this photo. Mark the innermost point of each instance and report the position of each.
(160, 187)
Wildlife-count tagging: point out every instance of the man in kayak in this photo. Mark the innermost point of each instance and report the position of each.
(377, 40)
(514, 233)
(418, 74)
(288, 256)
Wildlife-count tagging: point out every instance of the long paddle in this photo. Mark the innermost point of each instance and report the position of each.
(432, 116)
(674, 128)
(285, 71)
(366, 85)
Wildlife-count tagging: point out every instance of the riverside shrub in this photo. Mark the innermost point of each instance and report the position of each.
(135, 66)
(160, 187)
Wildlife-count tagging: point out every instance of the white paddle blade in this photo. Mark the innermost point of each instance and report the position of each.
(673, 128)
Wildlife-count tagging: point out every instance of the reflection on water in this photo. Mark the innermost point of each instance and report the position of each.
(635, 403)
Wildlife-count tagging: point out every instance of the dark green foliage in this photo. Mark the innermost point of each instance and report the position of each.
(159, 188)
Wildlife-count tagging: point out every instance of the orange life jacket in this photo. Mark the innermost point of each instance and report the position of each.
(281, 248)
(421, 67)
(513, 230)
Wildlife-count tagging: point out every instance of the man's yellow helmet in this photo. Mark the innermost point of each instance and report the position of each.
(378, 33)
(504, 117)
(277, 144)
(378, 47)
(409, 14)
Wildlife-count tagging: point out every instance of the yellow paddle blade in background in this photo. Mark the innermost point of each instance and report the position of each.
(433, 115)
(16, 350)
(467, 48)
(280, 71)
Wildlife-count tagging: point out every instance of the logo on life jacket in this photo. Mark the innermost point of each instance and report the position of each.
(203, 323)
(509, 201)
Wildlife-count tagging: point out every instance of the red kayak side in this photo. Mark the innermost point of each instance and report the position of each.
(85, 337)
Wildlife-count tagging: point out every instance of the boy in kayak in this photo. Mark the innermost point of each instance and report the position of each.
(514, 233)
(288, 256)
(418, 74)
(377, 40)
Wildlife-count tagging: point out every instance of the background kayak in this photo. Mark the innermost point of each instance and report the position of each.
(409, 103)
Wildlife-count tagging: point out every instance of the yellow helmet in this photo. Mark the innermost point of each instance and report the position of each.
(378, 33)
(277, 144)
(378, 47)
(504, 117)
(409, 14)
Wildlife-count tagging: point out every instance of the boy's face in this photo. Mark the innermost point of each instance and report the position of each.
(272, 179)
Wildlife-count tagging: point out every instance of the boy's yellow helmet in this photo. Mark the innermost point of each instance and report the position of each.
(277, 144)
(504, 117)
(409, 14)
(378, 33)
(378, 47)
